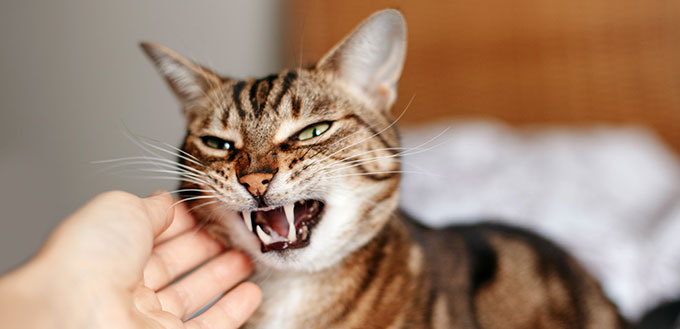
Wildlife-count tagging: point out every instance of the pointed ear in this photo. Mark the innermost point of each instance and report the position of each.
(370, 59)
(188, 80)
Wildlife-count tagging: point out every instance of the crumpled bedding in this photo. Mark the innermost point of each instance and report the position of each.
(610, 195)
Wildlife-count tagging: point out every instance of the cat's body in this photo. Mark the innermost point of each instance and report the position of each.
(478, 276)
(301, 171)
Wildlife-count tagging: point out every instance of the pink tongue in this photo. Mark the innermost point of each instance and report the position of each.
(276, 219)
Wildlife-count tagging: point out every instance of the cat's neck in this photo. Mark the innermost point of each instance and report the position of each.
(349, 291)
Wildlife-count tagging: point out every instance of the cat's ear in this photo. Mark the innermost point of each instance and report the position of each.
(188, 80)
(370, 59)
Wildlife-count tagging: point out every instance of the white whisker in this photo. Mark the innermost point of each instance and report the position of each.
(184, 174)
(203, 205)
(129, 161)
(160, 170)
(191, 190)
(376, 134)
(200, 197)
(406, 152)
(196, 162)
(172, 178)
(383, 172)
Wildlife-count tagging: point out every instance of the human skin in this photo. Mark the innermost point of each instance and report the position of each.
(112, 264)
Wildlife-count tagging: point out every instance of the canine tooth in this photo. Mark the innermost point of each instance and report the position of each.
(289, 209)
(264, 236)
(246, 219)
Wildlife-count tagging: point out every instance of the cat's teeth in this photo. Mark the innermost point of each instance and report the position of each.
(266, 239)
(289, 209)
(246, 219)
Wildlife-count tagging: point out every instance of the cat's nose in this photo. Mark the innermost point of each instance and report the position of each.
(256, 183)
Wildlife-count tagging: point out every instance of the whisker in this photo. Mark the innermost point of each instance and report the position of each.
(192, 159)
(376, 134)
(203, 205)
(336, 169)
(375, 150)
(171, 178)
(161, 170)
(191, 190)
(130, 136)
(384, 172)
(404, 149)
(406, 152)
(200, 197)
(360, 162)
(128, 161)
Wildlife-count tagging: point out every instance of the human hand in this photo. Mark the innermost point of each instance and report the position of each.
(112, 265)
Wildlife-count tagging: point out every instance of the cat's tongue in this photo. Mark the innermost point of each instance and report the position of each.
(275, 219)
(287, 226)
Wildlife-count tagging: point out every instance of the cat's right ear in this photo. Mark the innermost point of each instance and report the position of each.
(188, 80)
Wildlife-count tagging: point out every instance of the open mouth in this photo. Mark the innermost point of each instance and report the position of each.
(286, 227)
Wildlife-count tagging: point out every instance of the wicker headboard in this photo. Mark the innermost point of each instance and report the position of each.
(522, 61)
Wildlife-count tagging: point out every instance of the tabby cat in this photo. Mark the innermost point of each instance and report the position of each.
(301, 170)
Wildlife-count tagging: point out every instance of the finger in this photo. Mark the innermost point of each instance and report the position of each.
(177, 256)
(182, 222)
(160, 211)
(231, 311)
(160, 320)
(205, 284)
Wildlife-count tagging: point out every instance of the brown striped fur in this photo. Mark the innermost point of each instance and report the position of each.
(365, 265)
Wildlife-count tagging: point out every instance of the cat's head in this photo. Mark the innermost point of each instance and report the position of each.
(310, 149)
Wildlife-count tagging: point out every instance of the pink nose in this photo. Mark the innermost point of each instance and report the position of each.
(256, 183)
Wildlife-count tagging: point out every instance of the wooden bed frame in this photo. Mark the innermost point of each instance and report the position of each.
(521, 61)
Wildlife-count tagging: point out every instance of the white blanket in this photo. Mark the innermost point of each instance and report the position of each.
(609, 195)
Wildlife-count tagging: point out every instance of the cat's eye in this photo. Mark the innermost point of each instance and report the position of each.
(314, 130)
(217, 143)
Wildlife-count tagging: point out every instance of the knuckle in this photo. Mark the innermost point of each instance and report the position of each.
(232, 263)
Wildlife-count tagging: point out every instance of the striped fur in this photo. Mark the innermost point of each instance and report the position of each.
(365, 265)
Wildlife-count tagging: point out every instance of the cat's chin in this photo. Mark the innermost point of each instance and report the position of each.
(280, 228)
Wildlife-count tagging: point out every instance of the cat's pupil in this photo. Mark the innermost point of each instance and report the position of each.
(313, 130)
(217, 143)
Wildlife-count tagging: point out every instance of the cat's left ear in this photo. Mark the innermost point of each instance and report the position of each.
(370, 59)
(188, 80)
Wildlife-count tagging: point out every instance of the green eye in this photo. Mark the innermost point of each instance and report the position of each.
(217, 143)
(314, 130)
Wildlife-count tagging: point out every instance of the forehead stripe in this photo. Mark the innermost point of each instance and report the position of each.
(259, 92)
(236, 95)
(296, 106)
(287, 81)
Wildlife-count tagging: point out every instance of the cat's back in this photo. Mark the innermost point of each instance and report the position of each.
(496, 276)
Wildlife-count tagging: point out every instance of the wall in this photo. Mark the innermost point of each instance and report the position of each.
(72, 80)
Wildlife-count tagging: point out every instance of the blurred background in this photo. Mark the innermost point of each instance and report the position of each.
(558, 116)
(523, 61)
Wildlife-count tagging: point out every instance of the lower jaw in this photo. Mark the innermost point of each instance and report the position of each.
(282, 246)
(304, 236)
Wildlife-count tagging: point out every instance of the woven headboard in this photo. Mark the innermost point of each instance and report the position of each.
(522, 61)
